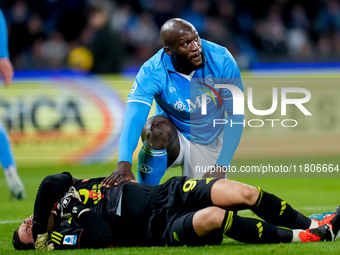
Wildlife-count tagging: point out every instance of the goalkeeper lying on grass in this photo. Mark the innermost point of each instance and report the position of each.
(71, 213)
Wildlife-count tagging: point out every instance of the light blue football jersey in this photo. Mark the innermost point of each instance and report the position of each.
(3, 37)
(180, 100)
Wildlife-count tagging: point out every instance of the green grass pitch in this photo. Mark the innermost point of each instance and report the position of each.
(309, 195)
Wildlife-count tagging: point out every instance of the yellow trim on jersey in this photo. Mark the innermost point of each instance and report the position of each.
(56, 237)
(207, 180)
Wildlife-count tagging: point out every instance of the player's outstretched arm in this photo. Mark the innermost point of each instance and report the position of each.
(134, 121)
(231, 139)
(6, 69)
(231, 136)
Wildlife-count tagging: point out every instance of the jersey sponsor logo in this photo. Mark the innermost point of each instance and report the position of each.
(70, 240)
(179, 106)
(203, 100)
(66, 201)
(172, 89)
(193, 106)
(95, 194)
(134, 87)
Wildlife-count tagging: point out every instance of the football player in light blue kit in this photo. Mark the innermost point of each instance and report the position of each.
(6, 157)
(180, 78)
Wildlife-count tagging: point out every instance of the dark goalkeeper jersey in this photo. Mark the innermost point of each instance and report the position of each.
(130, 214)
(67, 234)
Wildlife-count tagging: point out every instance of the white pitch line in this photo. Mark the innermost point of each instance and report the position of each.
(317, 208)
(10, 221)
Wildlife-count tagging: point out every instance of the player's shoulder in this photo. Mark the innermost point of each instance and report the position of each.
(155, 63)
(216, 52)
(213, 47)
(153, 72)
(218, 57)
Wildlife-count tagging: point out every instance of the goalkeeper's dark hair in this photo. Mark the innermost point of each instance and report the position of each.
(18, 245)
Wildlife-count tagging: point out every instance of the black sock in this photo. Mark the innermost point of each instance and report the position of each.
(253, 231)
(277, 212)
(336, 222)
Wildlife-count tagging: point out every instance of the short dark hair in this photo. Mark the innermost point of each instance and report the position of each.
(18, 245)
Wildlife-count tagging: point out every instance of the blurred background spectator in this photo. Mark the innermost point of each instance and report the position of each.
(108, 36)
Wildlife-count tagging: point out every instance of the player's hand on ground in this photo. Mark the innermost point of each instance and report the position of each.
(122, 173)
(6, 70)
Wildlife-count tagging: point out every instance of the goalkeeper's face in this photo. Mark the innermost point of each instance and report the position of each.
(25, 231)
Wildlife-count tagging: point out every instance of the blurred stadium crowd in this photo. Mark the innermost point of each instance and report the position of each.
(107, 36)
